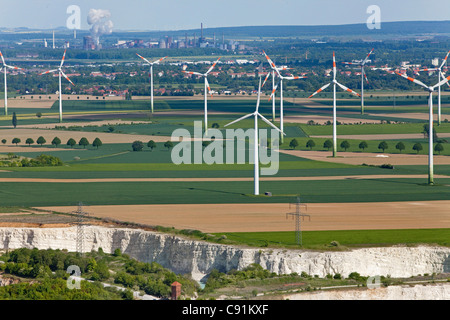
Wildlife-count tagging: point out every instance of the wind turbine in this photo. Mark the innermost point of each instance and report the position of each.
(4, 68)
(60, 73)
(441, 77)
(430, 90)
(256, 114)
(280, 83)
(334, 82)
(361, 64)
(151, 74)
(207, 89)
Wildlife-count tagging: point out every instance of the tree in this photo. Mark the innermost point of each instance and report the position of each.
(439, 148)
(41, 140)
(83, 142)
(38, 114)
(400, 146)
(56, 141)
(4, 141)
(29, 141)
(168, 145)
(345, 145)
(417, 147)
(215, 125)
(310, 144)
(151, 144)
(71, 142)
(137, 146)
(14, 120)
(293, 144)
(363, 145)
(16, 141)
(328, 144)
(383, 145)
(97, 143)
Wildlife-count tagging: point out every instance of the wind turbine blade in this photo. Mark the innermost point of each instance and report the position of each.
(272, 65)
(259, 95)
(64, 75)
(49, 71)
(3, 59)
(365, 76)
(270, 123)
(413, 80)
(143, 58)
(159, 60)
(11, 67)
(429, 69)
(212, 67)
(294, 78)
(365, 60)
(445, 60)
(207, 85)
(347, 89)
(241, 118)
(192, 72)
(351, 63)
(267, 77)
(321, 89)
(63, 58)
(441, 82)
(273, 91)
(334, 66)
(443, 76)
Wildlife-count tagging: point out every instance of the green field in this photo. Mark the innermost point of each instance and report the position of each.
(349, 238)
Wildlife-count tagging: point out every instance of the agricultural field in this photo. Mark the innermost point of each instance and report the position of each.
(145, 186)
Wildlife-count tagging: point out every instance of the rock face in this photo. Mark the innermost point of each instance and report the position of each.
(417, 292)
(199, 258)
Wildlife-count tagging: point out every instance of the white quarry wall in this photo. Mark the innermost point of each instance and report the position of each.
(199, 258)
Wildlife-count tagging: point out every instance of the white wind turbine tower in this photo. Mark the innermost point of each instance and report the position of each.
(334, 82)
(430, 90)
(4, 68)
(207, 89)
(256, 114)
(151, 75)
(441, 77)
(60, 73)
(361, 64)
(291, 77)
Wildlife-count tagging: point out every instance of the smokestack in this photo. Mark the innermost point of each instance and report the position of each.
(53, 39)
(202, 31)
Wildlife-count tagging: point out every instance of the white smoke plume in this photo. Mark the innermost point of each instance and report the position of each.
(101, 23)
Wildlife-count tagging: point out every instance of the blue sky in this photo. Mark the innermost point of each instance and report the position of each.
(188, 14)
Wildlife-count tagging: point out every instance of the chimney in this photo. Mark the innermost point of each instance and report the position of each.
(176, 290)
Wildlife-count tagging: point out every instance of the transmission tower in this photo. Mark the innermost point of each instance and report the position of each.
(80, 226)
(298, 216)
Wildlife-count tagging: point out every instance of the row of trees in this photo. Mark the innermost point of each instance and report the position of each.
(383, 145)
(83, 142)
(139, 145)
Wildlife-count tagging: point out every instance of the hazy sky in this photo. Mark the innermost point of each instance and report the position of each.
(188, 14)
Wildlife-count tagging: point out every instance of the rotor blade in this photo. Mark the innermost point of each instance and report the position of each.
(273, 91)
(192, 72)
(212, 67)
(429, 69)
(365, 76)
(267, 77)
(63, 58)
(270, 123)
(143, 58)
(442, 82)
(207, 85)
(49, 71)
(259, 95)
(443, 62)
(64, 75)
(159, 60)
(242, 118)
(413, 80)
(351, 63)
(3, 59)
(443, 76)
(293, 77)
(334, 66)
(365, 60)
(321, 89)
(11, 67)
(347, 89)
(272, 65)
